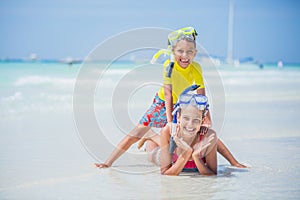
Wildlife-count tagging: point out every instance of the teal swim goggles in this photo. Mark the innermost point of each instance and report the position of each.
(187, 97)
(198, 100)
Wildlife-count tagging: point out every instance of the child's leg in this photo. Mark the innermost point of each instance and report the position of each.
(222, 149)
(131, 138)
(152, 138)
(165, 155)
(154, 156)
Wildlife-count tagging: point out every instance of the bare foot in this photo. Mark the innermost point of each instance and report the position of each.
(141, 142)
(101, 165)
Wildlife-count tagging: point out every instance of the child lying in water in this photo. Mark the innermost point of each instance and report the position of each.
(187, 149)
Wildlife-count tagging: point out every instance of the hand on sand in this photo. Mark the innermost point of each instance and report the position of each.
(101, 165)
(239, 165)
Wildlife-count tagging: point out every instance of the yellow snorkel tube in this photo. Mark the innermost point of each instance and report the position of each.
(169, 62)
(165, 52)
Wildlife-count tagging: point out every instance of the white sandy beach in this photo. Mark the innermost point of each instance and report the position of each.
(45, 155)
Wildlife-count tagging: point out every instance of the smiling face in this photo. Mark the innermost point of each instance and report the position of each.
(190, 121)
(184, 52)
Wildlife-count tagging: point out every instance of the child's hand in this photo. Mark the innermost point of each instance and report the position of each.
(201, 146)
(181, 143)
(203, 130)
(205, 126)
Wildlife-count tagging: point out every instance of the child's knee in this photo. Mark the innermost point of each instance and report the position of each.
(152, 156)
(165, 132)
(150, 146)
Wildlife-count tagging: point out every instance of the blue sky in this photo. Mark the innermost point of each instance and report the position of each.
(268, 30)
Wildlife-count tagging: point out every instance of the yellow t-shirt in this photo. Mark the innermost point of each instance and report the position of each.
(181, 78)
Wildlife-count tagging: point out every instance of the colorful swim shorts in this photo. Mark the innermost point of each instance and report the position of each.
(156, 114)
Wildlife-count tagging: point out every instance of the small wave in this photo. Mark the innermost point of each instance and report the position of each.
(37, 80)
(117, 71)
(49, 181)
(15, 97)
(19, 103)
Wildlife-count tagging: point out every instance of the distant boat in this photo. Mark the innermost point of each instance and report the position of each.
(280, 64)
(33, 57)
(70, 61)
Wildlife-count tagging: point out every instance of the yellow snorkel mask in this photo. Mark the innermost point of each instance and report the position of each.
(188, 33)
(183, 33)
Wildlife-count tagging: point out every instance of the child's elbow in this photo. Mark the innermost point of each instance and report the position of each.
(164, 172)
(212, 173)
(168, 172)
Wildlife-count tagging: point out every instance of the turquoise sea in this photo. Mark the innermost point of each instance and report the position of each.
(48, 147)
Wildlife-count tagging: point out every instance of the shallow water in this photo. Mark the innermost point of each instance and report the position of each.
(42, 156)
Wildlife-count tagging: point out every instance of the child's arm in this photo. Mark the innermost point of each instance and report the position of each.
(206, 123)
(211, 167)
(182, 159)
(169, 102)
(206, 148)
(166, 166)
(179, 164)
(165, 156)
(224, 151)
